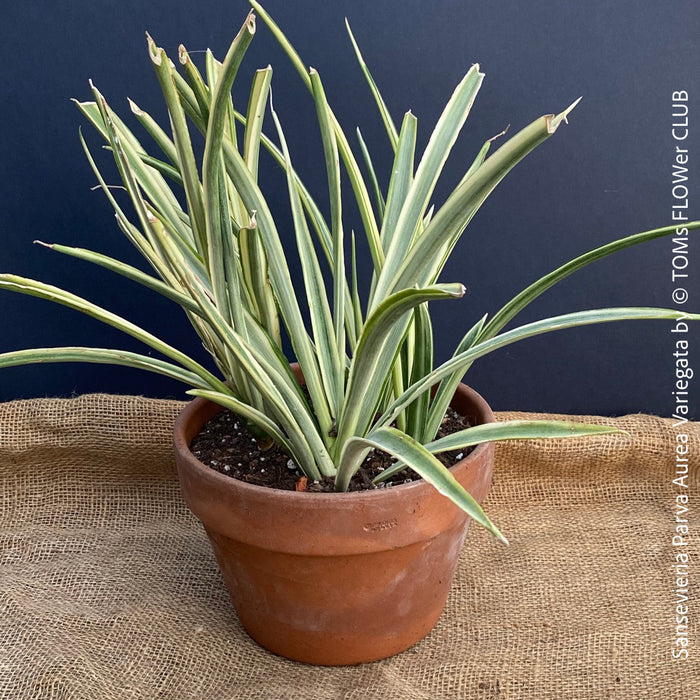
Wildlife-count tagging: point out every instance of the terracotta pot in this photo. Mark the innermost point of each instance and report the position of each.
(333, 579)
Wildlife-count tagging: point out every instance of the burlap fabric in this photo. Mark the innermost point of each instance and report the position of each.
(109, 588)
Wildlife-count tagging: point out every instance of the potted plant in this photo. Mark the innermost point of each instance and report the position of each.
(347, 576)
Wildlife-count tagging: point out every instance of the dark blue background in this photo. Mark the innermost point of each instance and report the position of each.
(605, 175)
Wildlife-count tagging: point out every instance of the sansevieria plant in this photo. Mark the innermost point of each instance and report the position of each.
(367, 356)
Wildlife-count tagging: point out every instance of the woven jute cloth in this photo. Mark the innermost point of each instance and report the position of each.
(109, 588)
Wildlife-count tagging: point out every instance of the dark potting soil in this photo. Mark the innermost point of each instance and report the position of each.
(226, 445)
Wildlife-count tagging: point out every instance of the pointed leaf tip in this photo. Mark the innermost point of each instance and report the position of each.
(134, 107)
(498, 136)
(251, 22)
(153, 51)
(554, 122)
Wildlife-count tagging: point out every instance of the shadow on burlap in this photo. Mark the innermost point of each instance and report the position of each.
(109, 588)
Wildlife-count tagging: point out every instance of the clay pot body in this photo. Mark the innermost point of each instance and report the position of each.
(333, 579)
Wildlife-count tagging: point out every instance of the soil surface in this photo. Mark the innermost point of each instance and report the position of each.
(225, 445)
